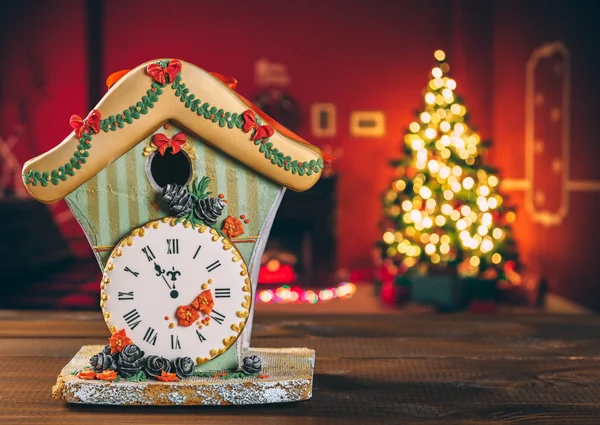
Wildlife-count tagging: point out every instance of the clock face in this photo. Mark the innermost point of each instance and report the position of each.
(177, 291)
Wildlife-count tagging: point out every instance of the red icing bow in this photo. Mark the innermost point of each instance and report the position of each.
(163, 142)
(164, 74)
(262, 131)
(89, 125)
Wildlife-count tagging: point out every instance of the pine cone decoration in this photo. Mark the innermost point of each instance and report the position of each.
(183, 367)
(156, 364)
(102, 361)
(209, 209)
(130, 361)
(251, 365)
(178, 199)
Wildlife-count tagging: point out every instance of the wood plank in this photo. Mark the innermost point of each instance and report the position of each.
(388, 368)
(89, 324)
(373, 390)
(361, 348)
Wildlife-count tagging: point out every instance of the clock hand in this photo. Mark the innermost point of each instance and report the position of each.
(159, 270)
(167, 283)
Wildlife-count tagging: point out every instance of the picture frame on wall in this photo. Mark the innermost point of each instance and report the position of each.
(323, 119)
(367, 124)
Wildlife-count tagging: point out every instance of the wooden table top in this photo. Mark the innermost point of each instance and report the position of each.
(433, 369)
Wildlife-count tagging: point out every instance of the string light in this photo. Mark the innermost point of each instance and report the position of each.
(296, 295)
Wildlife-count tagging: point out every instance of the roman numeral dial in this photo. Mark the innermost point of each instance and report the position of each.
(133, 319)
(217, 317)
(213, 266)
(149, 254)
(172, 246)
(222, 292)
(150, 336)
(175, 344)
(177, 291)
(126, 296)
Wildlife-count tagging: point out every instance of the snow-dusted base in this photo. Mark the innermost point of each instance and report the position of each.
(289, 374)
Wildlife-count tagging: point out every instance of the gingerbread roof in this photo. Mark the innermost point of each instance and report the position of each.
(154, 93)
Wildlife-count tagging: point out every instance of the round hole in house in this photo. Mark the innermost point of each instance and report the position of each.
(170, 168)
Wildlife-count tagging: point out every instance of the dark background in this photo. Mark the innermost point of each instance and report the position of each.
(360, 55)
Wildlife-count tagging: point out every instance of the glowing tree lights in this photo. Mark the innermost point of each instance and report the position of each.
(443, 207)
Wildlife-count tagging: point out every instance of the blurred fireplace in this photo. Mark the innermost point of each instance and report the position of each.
(302, 245)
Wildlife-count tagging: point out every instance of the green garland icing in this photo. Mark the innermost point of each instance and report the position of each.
(225, 118)
(112, 123)
(217, 115)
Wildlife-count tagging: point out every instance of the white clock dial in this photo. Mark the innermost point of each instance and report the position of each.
(159, 283)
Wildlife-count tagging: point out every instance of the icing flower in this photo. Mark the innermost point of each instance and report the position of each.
(183, 366)
(130, 361)
(86, 374)
(204, 302)
(186, 315)
(156, 365)
(118, 341)
(232, 227)
(107, 375)
(167, 377)
(251, 123)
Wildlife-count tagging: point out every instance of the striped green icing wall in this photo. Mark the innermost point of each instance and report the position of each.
(121, 197)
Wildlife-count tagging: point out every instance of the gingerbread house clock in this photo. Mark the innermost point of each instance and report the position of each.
(175, 179)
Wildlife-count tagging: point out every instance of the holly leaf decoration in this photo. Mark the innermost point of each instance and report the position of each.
(138, 377)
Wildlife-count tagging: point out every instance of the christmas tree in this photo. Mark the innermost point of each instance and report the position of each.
(443, 208)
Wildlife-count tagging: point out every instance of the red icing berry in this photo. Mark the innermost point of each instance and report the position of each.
(221, 195)
(246, 221)
(243, 216)
(31, 180)
(167, 126)
(211, 117)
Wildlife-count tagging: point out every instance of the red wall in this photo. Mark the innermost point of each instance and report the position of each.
(360, 55)
(568, 252)
(43, 74)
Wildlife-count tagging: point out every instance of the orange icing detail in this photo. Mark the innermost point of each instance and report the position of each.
(232, 227)
(118, 341)
(115, 76)
(86, 374)
(167, 377)
(107, 375)
(186, 315)
(204, 302)
(228, 80)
